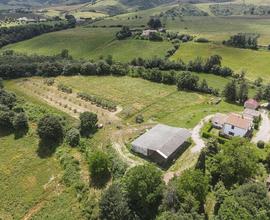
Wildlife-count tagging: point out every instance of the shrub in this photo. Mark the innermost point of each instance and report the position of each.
(64, 88)
(139, 119)
(260, 144)
(98, 164)
(106, 104)
(202, 40)
(73, 137)
(71, 175)
(49, 81)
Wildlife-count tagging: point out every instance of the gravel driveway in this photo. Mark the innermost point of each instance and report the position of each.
(264, 131)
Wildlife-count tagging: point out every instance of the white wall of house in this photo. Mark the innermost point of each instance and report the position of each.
(234, 131)
(140, 150)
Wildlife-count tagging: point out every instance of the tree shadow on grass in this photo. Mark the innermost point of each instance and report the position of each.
(46, 148)
(5, 132)
(100, 181)
(20, 134)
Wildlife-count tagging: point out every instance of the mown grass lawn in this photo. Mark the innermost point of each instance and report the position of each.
(255, 63)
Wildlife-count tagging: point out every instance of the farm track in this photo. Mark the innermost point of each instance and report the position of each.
(52, 189)
(264, 130)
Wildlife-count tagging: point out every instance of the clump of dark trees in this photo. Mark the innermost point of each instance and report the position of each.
(51, 129)
(123, 33)
(156, 69)
(236, 91)
(18, 33)
(12, 117)
(243, 40)
(210, 65)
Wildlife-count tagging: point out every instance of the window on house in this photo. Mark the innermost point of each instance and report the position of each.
(232, 127)
(231, 133)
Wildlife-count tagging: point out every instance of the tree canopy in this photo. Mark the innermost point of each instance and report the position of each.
(236, 162)
(50, 129)
(144, 186)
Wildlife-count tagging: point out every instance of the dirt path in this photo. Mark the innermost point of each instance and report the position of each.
(264, 131)
(120, 137)
(52, 189)
(196, 135)
(199, 145)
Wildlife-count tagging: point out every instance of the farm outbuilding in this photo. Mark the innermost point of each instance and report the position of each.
(251, 104)
(161, 143)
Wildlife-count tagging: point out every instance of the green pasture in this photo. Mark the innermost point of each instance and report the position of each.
(23, 175)
(91, 43)
(255, 63)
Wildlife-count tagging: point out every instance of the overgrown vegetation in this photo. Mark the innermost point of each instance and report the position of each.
(106, 104)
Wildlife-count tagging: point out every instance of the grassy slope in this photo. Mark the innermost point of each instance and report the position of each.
(157, 102)
(219, 29)
(91, 43)
(24, 175)
(254, 62)
(214, 28)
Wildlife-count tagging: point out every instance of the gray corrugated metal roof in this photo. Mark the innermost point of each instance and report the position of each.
(163, 139)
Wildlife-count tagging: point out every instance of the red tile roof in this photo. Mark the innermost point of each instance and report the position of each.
(252, 103)
(238, 121)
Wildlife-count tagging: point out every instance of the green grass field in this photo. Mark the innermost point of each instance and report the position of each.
(156, 102)
(23, 175)
(255, 63)
(27, 181)
(91, 43)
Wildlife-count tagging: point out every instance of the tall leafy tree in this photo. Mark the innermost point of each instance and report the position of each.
(50, 129)
(243, 92)
(144, 186)
(114, 204)
(230, 91)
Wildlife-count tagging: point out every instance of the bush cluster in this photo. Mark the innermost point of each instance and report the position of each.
(209, 65)
(100, 102)
(64, 88)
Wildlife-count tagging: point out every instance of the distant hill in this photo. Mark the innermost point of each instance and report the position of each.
(138, 4)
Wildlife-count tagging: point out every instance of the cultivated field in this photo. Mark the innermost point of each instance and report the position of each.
(156, 102)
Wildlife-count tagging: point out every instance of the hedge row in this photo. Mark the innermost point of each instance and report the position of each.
(100, 102)
(206, 133)
(64, 88)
